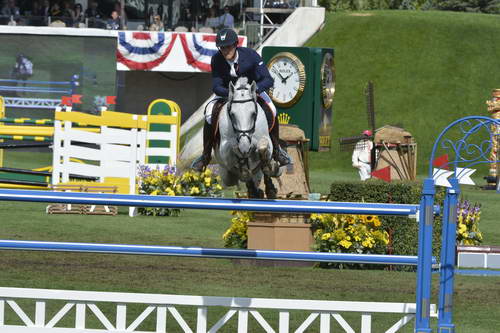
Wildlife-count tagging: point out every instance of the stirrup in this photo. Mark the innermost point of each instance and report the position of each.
(199, 164)
(282, 157)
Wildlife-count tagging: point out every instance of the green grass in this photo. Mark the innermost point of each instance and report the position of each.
(475, 298)
(429, 68)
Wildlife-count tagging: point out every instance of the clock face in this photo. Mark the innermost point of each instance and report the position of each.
(289, 77)
(327, 80)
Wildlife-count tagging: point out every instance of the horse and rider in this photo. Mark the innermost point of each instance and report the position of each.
(241, 70)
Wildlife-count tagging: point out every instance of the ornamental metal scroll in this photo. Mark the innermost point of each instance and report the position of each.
(469, 141)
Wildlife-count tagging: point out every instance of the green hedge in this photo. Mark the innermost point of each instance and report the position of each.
(402, 230)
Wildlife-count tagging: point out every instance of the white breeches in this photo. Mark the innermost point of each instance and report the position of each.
(210, 106)
(364, 171)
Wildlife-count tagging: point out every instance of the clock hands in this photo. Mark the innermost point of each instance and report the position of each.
(284, 79)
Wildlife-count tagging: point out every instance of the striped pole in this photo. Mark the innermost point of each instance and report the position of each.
(284, 206)
(27, 121)
(32, 121)
(26, 137)
(200, 252)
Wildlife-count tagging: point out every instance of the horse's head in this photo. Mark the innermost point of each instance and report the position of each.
(242, 110)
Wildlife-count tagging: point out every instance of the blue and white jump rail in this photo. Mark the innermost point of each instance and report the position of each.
(176, 251)
(37, 87)
(283, 206)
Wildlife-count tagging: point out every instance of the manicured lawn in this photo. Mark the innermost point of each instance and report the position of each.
(475, 298)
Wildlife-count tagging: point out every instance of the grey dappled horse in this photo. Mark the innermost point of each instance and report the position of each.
(245, 148)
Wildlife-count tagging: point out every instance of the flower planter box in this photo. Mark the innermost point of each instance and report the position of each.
(286, 232)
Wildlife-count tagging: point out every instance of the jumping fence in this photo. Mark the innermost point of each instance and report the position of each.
(325, 312)
(466, 154)
(59, 88)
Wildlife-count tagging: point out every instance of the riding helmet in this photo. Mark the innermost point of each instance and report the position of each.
(226, 37)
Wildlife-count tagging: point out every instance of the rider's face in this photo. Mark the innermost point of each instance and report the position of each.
(229, 52)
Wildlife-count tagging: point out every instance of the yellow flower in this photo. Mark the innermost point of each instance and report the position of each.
(170, 192)
(339, 234)
(218, 187)
(462, 228)
(208, 172)
(155, 192)
(345, 243)
(368, 242)
(194, 190)
(208, 181)
(326, 236)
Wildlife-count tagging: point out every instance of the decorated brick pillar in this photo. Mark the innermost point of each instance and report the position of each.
(494, 111)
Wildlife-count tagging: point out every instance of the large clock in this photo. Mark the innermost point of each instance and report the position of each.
(289, 77)
(327, 80)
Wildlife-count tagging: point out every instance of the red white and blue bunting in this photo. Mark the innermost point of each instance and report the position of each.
(161, 51)
(144, 51)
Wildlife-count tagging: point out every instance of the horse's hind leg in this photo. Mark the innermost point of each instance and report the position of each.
(253, 191)
(271, 191)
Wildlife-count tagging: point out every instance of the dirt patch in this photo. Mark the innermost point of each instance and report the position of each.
(361, 14)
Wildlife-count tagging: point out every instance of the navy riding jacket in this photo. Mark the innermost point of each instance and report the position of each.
(250, 65)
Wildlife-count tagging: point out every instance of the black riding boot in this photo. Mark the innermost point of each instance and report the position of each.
(208, 142)
(279, 155)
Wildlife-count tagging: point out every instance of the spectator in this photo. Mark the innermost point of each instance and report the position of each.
(55, 10)
(118, 9)
(226, 20)
(157, 24)
(94, 15)
(78, 15)
(36, 14)
(212, 20)
(114, 22)
(68, 13)
(45, 12)
(10, 10)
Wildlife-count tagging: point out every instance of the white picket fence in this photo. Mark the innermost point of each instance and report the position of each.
(114, 152)
(79, 306)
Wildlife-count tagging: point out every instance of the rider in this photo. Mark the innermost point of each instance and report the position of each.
(230, 63)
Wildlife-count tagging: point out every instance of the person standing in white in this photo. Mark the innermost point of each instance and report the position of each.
(361, 156)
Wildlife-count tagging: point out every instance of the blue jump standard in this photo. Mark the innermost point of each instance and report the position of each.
(286, 206)
(208, 252)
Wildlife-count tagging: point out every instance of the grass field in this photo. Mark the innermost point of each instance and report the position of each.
(475, 298)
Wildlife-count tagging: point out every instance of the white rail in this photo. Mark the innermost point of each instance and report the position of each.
(80, 306)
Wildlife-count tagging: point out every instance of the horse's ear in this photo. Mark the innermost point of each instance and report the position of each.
(253, 89)
(231, 91)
